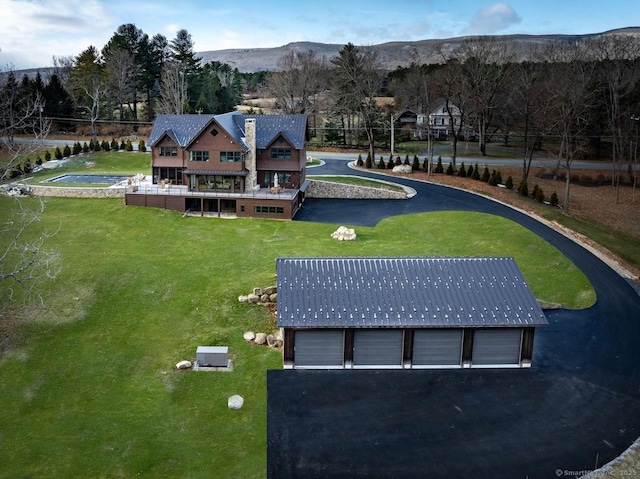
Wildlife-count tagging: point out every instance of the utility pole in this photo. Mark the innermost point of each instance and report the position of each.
(392, 134)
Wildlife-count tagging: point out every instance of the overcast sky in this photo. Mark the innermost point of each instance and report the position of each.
(33, 31)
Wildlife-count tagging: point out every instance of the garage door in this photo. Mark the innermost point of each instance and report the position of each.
(437, 347)
(377, 348)
(496, 347)
(319, 349)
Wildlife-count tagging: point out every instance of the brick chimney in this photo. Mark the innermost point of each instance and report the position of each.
(251, 180)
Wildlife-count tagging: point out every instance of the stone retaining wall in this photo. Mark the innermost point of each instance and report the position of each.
(329, 189)
(89, 192)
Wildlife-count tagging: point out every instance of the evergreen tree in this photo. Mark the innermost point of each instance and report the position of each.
(439, 168)
(509, 183)
(406, 160)
(398, 161)
(142, 146)
(492, 179)
(66, 152)
(114, 144)
(425, 165)
(58, 153)
(416, 164)
(462, 172)
(498, 178)
(554, 199)
(368, 162)
(129, 146)
(539, 196)
(390, 165)
(47, 156)
(486, 175)
(86, 148)
(359, 162)
(381, 164)
(123, 145)
(450, 169)
(476, 173)
(105, 145)
(523, 188)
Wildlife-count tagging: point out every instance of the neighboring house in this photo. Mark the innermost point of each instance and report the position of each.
(394, 312)
(440, 121)
(231, 164)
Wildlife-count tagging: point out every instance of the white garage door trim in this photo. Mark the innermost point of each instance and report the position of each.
(378, 349)
(496, 348)
(437, 349)
(319, 349)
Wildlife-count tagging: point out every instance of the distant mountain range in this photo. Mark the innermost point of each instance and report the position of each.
(391, 55)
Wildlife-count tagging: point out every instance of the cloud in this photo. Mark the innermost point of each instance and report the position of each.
(492, 19)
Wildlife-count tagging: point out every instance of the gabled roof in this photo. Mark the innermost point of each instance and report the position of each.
(182, 128)
(185, 128)
(404, 292)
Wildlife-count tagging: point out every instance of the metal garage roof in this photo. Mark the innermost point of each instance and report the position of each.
(404, 292)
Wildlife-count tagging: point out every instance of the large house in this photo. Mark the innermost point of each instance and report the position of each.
(405, 313)
(230, 164)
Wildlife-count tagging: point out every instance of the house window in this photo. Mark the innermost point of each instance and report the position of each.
(269, 209)
(198, 156)
(283, 177)
(281, 153)
(214, 132)
(230, 156)
(168, 151)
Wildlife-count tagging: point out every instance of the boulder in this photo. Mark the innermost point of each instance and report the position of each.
(249, 336)
(243, 299)
(260, 338)
(253, 298)
(264, 298)
(184, 365)
(402, 169)
(270, 290)
(258, 291)
(273, 298)
(235, 402)
(273, 341)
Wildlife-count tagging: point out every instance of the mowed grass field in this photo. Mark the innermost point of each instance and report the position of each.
(90, 389)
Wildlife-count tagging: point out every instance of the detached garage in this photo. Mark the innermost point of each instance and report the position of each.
(393, 312)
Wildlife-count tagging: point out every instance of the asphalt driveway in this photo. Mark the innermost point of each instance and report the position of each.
(578, 407)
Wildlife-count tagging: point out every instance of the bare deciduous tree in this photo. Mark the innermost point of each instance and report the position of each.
(173, 89)
(25, 262)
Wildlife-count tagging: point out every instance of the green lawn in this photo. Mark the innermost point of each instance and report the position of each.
(91, 390)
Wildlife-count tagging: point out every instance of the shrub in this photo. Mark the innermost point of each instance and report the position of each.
(114, 144)
(58, 153)
(123, 145)
(66, 152)
(462, 171)
(359, 162)
(27, 167)
(398, 161)
(498, 178)
(486, 175)
(425, 165)
(492, 179)
(509, 183)
(406, 160)
(523, 189)
(381, 164)
(129, 146)
(554, 199)
(105, 145)
(77, 148)
(38, 160)
(416, 163)
(539, 196)
(534, 193)
(450, 169)
(47, 156)
(85, 148)
(391, 164)
(368, 163)
(476, 173)
(439, 168)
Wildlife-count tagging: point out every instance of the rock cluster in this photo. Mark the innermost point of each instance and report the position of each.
(344, 234)
(261, 339)
(266, 296)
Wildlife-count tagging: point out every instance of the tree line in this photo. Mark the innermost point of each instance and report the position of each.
(570, 100)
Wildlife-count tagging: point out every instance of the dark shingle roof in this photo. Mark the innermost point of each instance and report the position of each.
(185, 128)
(404, 292)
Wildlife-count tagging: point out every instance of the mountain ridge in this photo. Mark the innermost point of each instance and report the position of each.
(390, 54)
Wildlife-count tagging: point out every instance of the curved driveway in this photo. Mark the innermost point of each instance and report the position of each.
(577, 408)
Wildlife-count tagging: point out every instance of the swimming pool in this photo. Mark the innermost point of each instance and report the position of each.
(93, 179)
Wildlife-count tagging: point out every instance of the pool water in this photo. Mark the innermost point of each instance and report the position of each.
(97, 179)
